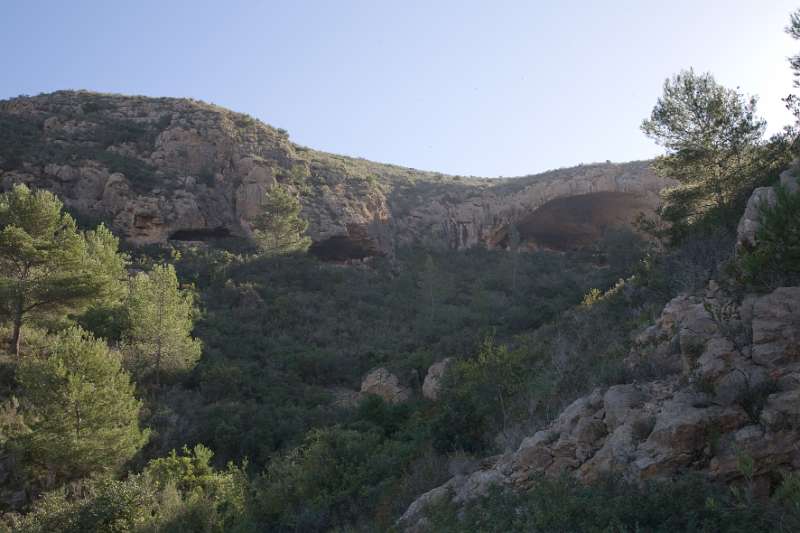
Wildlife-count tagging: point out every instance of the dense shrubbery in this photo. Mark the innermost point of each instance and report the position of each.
(688, 505)
(176, 494)
(81, 410)
(279, 332)
(336, 477)
(23, 140)
(17, 135)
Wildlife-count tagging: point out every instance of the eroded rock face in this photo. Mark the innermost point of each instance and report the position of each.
(383, 383)
(433, 379)
(750, 222)
(734, 390)
(157, 167)
(776, 328)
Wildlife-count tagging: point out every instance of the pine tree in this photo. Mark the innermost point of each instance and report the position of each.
(47, 266)
(83, 413)
(279, 229)
(160, 323)
(793, 29)
(711, 134)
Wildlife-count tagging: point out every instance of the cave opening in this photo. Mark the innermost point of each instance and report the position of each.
(200, 234)
(343, 248)
(574, 222)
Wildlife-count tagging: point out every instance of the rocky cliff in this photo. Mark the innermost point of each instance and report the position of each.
(158, 169)
(734, 393)
(726, 403)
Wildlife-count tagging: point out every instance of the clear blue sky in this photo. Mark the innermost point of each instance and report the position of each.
(480, 88)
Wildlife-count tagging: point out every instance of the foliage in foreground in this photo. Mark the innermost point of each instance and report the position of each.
(612, 505)
(175, 494)
(47, 267)
(82, 412)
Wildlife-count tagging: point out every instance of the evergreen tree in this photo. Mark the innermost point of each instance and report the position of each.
(711, 134)
(160, 323)
(47, 266)
(83, 413)
(794, 30)
(792, 101)
(279, 229)
(513, 246)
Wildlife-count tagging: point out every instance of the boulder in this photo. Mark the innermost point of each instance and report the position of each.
(383, 383)
(619, 401)
(433, 379)
(750, 222)
(789, 181)
(776, 327)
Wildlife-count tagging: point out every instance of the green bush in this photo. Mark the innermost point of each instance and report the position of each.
(612, 505)
(775, 259)
(175, 494)
(481, 396)
(337, 476)
(109, 506)
(196, 497)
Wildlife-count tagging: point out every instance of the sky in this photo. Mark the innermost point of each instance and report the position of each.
(484, 88)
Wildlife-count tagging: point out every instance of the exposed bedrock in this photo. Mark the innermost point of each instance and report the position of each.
(158, 169)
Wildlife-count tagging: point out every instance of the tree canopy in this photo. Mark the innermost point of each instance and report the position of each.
(47, 266)
(279, 229)
(159, 315)
(711, 134)
(83, 413)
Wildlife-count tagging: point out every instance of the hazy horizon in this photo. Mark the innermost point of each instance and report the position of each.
(459, 88)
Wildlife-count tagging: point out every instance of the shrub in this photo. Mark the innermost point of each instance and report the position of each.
(775, 259)
(178, 493)
(689, 505)
(336, 476)
(113, 506)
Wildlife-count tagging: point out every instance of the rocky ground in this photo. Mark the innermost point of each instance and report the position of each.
(726, 402)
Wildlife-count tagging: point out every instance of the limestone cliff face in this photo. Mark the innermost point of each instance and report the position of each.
(162, 168)
(730, 389)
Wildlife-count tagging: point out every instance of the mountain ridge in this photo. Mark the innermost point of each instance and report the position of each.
(163, 168)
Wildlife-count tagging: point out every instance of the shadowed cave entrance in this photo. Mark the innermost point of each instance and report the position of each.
(200, 234)
(341, 248)
(574, 222)
(357, 244)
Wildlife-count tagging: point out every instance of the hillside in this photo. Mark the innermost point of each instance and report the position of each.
(513, 356)
(159, 169)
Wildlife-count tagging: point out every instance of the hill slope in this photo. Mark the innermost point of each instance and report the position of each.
(164, 168)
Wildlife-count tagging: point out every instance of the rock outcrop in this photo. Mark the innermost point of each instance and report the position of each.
(158, 169)
(433, 379)
(731, 389)
(750, 222)
(383, 383)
